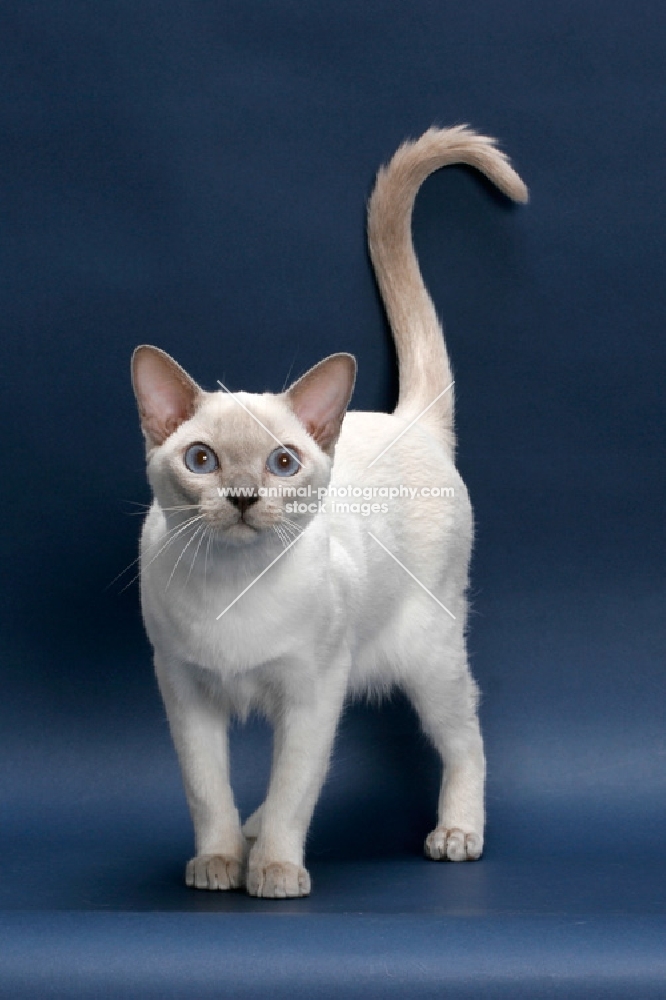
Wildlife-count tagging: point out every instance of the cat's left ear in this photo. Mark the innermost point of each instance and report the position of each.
(321, 396)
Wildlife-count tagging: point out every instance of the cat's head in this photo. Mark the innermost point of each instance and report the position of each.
(233, 458)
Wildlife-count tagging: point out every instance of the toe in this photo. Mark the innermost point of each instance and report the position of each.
(214, 871)
(453, 845)
(278, 880)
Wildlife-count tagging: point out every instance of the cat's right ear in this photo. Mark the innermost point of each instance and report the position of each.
(165, 393)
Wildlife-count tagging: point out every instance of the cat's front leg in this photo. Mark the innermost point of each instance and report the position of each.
(199, 728)
(305, 721)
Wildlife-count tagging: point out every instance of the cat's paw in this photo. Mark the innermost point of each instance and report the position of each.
(453, 845)
(214, 871)
(278, 880)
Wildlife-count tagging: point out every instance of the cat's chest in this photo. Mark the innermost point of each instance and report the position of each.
(232, 619)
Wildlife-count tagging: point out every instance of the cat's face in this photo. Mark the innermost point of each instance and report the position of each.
(222, 450)
(238, 460)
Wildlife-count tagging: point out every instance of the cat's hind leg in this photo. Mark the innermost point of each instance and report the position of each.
(252, 825)
(447, 708)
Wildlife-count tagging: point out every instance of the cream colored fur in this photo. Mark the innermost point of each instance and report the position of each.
(251, 605)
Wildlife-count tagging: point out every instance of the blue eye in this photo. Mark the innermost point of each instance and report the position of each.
(283, 462)
(200, 458)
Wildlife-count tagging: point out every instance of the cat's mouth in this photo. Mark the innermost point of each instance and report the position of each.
(242, 523)
(241, 530)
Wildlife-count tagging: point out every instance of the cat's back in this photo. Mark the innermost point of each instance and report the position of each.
(400, 513)
(380, 448)
(394, 479)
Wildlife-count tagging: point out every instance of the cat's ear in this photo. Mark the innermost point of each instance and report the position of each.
(321, 396)
(165, 393)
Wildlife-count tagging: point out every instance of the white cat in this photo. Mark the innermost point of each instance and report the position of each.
(283, 605)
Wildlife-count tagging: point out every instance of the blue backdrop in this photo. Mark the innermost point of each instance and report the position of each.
(194, 175)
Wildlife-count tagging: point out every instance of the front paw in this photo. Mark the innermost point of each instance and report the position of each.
(214, 871)
(278, 880)
(453, 845)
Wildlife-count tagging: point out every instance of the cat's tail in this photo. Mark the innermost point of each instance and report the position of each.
(425, 372)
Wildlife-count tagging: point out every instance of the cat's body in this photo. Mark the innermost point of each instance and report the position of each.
(255, 604)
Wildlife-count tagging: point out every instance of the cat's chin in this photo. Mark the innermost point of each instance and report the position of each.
(239, 534)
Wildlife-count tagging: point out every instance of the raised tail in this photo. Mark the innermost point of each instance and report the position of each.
(425, 372)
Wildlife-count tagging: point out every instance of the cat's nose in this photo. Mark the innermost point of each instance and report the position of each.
(243, 502)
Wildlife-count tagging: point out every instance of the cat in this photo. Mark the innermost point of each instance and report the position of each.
(256, 599)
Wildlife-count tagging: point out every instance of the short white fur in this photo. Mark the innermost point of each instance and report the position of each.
(335, 615)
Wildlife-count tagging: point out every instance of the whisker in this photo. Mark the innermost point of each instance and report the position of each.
(278, 532)
(172, 534)
(122, 573)
(183, 507)
(290, 527)
(185, 548)
(147, 506)
(208, 544)
(290, 531)
(284, 384)
(135, 561)
(202, 528)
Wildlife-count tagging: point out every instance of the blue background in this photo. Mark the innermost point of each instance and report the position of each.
(194, 175)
